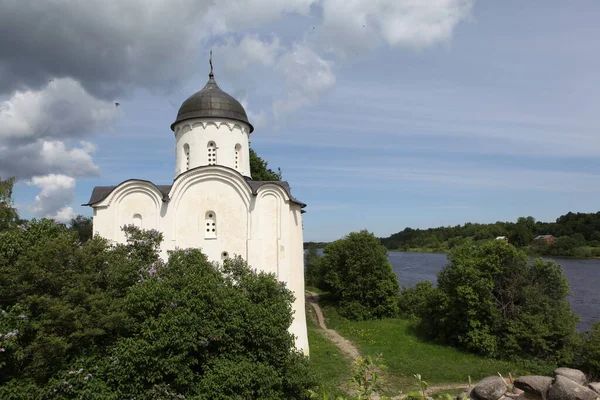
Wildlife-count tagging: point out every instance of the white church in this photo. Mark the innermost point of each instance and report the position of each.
(213, 203)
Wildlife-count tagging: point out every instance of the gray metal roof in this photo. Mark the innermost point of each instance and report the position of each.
(212, 102)
(99, 193)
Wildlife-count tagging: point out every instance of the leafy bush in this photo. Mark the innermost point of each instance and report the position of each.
(414, 301)
(590, 353)
(96, 321)
(313, 272)
(359, 277)
(493, 301)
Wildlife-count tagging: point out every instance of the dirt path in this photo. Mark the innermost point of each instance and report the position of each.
(348, 348)
(342, 343)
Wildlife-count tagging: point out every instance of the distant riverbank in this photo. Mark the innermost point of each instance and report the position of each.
(526, 249)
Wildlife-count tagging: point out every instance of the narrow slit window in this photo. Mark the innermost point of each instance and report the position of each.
(186, 150)
(137, 220)
(210, 225)
(238, 156)
(212, 153)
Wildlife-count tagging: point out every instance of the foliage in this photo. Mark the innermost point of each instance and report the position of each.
(576, 235)
(493, 301)
(83, 226)
(406, 352)
(326, 360)
(590, 353)
(97, 321)
(8, 214)
(414, 301)
(359, 277)
(260, 171)
(366, 381)
(313, 272)
(366, 377)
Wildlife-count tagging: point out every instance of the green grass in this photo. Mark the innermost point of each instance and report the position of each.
(331, 367)
(405, 354)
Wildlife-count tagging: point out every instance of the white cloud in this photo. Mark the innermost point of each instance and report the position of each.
(62, 109)
(57, 191)
(307, 75)
(64, 215)
(232, 15)
(350, 25)
(251, 49)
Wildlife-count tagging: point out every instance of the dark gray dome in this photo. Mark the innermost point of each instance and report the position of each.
(212, 102)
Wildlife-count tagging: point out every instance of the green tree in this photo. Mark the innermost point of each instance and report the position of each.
(260, 171)
(8, 214)
(522, 233)
(590, 354)
(359, 277)
(98, 321)
(83, 226)
(492, 300)
(414, 301)
(313, 273)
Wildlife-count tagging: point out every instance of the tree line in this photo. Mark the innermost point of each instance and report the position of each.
(573, 235)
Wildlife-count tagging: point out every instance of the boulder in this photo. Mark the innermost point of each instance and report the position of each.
(595, 386)
(490, 388)
(464, 395)
(573, 374)
(566, 389)
(536, 385)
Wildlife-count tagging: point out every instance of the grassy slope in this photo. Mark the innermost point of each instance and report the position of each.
(326, 359)
(405, 354)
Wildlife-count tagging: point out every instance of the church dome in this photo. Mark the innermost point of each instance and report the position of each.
(212, 102)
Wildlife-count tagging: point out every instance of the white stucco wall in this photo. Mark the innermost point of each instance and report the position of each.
(226, 134)
(263, 228)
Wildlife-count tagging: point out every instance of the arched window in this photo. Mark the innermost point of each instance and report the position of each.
(212, 153)
(238, 156)
(210, 224)
(137, 220)
(186, 151)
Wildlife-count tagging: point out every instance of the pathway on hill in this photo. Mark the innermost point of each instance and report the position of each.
(348, 348)
(341, 342)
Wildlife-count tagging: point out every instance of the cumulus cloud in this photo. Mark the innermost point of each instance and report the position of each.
(57, 191)
(237, 56)
(61, 109)
(350, 25)
(63, 63)
(112, 47)
(41, 132)
(307, 75)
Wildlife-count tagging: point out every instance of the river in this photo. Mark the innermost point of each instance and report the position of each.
(583, 277)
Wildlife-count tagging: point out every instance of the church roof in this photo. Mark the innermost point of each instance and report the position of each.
(101, 192)
(212, 102)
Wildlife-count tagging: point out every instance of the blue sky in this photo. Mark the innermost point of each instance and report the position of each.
(432, 113)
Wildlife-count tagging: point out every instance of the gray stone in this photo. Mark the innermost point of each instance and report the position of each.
(595, 386)
(537, 385)
(490, 388)
(566, 389)
(528, 396)
(464, 395)
(573, 374)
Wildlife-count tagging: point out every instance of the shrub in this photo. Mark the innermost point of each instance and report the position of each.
(414, 301)
(96, 321)
(359, 277)
(494, 301)
(590, 353)
(313, 273)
